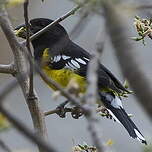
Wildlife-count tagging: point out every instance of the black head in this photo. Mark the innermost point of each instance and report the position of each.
(37, 24)
(54, 35)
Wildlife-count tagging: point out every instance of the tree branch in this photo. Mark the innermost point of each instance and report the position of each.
(91, 97)
(31, 93)
(8, 69)
(80, 25)
(102, 110)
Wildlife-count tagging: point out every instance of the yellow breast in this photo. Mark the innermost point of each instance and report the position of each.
(64, 77)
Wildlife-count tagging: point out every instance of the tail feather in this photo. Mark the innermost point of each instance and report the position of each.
(124, 121)
(114, 105)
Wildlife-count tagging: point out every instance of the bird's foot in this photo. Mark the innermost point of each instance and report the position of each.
(62, 110)
(76, 112)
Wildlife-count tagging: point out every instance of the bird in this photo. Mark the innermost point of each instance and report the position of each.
(62, 60)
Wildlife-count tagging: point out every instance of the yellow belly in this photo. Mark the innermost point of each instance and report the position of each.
(64, 77)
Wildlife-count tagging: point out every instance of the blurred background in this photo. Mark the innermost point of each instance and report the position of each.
(67, 132)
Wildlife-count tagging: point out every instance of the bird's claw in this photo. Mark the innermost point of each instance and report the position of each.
(61, 111)
(76, 112)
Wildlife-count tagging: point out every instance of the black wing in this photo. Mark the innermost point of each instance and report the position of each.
(71, 57)
(76, 58)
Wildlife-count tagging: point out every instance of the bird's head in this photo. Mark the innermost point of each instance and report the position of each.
(54, 34)
(52, 37)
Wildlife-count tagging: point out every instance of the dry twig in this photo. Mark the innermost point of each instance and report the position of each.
(8, 69)
(26, 3)
(91, 97)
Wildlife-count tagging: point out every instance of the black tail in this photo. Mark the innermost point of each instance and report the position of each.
(113, 103)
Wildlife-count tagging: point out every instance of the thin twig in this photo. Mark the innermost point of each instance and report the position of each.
(102, 110)
(80, 25)
(91, 97)
(57, 111)
(50, 112)
(8, 69)
(31, 93)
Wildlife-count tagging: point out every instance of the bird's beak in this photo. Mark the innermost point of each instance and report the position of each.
(20, 32)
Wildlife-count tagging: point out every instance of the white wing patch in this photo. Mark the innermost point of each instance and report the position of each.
(86, 58)
(80, 60)
(76, 64)
(57, 58)
(64, 57)
(72, 67)
(72, 64)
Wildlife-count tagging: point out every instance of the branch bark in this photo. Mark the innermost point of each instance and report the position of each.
(31, 93)
(8, 69)
(92, 97)
(20, 62)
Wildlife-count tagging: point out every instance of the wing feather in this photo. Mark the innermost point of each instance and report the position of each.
(75, 58)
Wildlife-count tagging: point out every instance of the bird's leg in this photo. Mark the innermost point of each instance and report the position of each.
(61, 109)
(76, 111)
